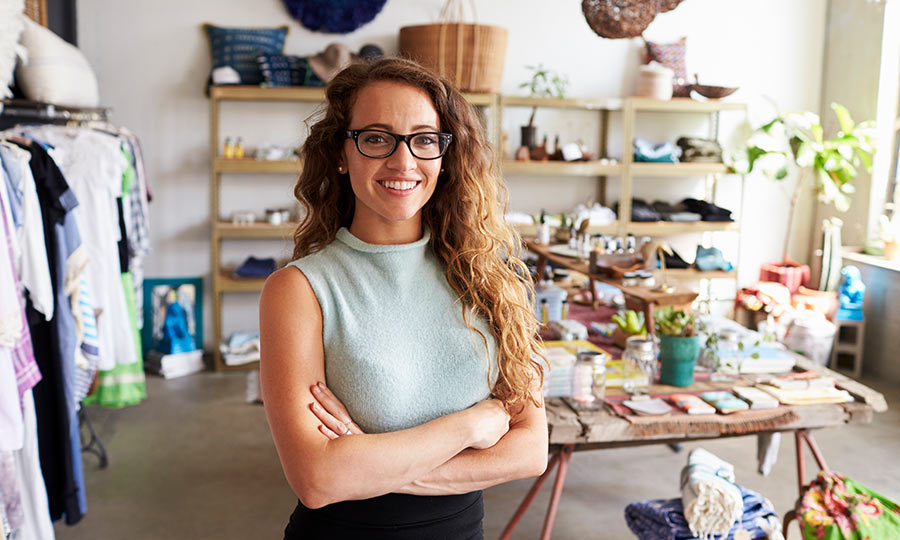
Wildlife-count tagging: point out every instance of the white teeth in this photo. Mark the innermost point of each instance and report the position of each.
(401, 186)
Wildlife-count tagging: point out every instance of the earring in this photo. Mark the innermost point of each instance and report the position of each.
(442, 170)
(341, 169)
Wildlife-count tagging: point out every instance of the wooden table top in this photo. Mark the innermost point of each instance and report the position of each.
(679, 296)
(604, 429)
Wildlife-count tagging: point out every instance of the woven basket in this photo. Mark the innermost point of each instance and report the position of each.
(469, 55)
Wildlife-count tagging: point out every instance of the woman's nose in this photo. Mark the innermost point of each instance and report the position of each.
(402, 159)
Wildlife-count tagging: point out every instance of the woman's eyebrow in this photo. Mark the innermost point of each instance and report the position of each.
(386, 127)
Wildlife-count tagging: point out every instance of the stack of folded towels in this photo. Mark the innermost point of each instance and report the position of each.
(711, 506)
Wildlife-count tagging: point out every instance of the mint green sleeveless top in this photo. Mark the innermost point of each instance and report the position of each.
(397, 351)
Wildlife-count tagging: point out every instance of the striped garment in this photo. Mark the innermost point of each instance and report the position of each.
(86, 352)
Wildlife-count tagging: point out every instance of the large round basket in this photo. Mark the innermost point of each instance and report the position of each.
(470, 55)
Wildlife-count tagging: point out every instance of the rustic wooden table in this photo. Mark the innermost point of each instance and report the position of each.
(572, 431)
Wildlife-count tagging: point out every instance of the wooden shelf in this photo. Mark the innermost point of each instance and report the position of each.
(693, 273)
(678, 169)
(480, 100)
(225, 229)
(303, 94)
(560, 168)
(667, 228)
(226, 282)
(262, 93)
(594, 104)
(684, 105)
(251, 165)
(531, 230)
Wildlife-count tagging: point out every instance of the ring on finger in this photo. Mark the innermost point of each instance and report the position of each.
(349, 425)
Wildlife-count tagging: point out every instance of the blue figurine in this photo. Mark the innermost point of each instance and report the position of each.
(175, 335)
(850, 293)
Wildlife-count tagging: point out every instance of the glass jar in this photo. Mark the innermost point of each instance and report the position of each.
(589, 380)
(638, 365)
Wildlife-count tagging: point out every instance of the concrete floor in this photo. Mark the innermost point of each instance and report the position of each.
(195, 461)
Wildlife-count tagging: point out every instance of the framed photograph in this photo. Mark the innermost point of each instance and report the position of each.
(172, 307)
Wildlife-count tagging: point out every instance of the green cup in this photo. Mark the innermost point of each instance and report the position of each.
(678, 356)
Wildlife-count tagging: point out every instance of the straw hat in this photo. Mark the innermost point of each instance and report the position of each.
(333, 59)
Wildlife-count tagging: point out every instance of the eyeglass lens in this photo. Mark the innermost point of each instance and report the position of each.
(378, 144)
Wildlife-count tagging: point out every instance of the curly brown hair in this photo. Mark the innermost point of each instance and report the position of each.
(465, 215)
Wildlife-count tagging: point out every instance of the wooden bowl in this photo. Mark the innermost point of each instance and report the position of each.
(713, 92)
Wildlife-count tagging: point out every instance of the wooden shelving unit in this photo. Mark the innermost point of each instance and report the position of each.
(223, 279)
(629, 171)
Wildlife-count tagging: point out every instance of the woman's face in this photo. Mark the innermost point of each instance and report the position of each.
(391, 191)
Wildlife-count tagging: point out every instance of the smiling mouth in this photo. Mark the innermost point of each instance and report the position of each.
(397, 185)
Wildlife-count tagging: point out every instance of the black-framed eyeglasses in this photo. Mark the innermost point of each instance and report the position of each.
(377, 143)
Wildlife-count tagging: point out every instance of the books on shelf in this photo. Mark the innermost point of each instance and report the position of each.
(170, 366)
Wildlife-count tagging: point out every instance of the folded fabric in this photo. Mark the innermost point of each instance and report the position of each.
(669, 212)
(709, 259)
(640, 211)
(712, 501)
(696, 149)
(709, 211)
(660, 153)
(254, 267)
(664, 519)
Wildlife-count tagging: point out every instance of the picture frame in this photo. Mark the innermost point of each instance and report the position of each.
(188, 291)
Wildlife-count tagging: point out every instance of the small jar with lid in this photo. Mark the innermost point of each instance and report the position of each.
(638, 365)
(589, 380)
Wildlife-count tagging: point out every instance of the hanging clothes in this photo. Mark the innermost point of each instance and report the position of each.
(54, 343)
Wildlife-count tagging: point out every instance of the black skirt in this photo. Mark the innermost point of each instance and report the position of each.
(392, 517)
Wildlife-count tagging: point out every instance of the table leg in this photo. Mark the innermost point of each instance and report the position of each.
(526, 502)
(801, 463)
(565, 456)
(648, 319)
(541, 265)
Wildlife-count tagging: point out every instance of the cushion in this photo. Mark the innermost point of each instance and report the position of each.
(11, 23)
(55, 71)
(287, 70)
(672, 55)
(239, 48)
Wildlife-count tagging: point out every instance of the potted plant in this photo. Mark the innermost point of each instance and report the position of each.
(795, 140)
(679, 345)
(631, 324)
(543, 83)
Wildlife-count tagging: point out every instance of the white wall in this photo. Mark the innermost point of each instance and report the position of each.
(152, 60)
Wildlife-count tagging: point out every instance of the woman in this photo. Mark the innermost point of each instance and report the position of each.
(401, 298)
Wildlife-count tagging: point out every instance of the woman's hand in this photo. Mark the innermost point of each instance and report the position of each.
(336, 421)
(490, 424)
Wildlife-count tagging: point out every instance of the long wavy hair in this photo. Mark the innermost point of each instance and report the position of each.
(465, 214)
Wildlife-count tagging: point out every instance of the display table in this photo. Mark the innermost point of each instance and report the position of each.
(643, 299)
(572, 431)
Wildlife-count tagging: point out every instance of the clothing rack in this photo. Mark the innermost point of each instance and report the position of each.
(14, 111)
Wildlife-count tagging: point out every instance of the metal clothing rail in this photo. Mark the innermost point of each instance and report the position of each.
(24, 110)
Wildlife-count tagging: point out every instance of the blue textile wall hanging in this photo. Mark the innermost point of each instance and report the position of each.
(334, 16)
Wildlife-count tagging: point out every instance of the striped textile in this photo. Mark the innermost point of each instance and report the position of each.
(86, 353)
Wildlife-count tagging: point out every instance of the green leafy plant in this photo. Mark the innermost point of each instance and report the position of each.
(797, 140)
(671, 322)
(632, 323)
(544, 83)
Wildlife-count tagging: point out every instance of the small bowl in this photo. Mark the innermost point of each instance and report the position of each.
(713, 92)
